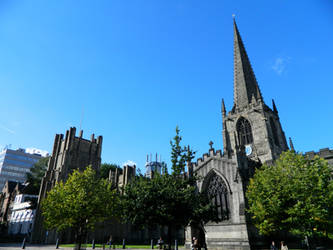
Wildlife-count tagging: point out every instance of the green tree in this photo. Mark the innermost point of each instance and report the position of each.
(169, 200)
(294, 195)
(105, 169)
(35, 175)
(164, 200)
(179, 155)
(79, 203)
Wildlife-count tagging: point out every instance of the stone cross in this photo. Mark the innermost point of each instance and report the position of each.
(211, 144)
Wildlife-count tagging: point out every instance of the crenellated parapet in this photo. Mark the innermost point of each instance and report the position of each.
(207, 157)
(119, 178)
(325, 153)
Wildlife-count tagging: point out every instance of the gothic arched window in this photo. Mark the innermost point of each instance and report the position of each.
(273, 127)
(217, 192)
(244, 131)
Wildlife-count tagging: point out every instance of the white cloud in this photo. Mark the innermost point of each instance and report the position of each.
(43, 153)
(280, 64)
(129, 163)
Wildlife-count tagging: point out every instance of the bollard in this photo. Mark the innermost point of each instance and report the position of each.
(124, 244)
(23, 243)
(152, 243)
(103, 246)
(176, 245)
(57, 243)
(93, 244)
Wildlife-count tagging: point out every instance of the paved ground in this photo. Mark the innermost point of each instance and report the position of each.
(28, 247)
(40, 247)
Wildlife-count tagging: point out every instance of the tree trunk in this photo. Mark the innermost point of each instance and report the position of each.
(78, 239)
(169, 236)
(80, 235)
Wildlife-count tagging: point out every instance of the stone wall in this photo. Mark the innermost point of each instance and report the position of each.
(232, 232)
(325, 153)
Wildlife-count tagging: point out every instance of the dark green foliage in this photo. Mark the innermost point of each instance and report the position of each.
(162, 200)
(167, 200)
(34, 177)
(105, 169)
(294, 195)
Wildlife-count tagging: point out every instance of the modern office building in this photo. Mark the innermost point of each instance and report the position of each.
(14, 164)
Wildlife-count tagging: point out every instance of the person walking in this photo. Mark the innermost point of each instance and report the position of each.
(283, 246)
(160, 243)
(195, 244)
(273, 247)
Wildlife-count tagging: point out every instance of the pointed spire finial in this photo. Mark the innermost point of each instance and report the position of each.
(223, 108)
(274, 106)
(291, 145)
(245, 82)
(259, 93)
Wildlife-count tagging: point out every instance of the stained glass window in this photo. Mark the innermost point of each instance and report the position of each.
(217, 192)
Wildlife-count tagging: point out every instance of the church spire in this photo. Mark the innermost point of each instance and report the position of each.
(245, 83)
(274, 106)
(291, 145)
(223, 108)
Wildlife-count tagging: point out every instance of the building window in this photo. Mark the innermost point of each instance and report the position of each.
(273, 127)
(217, 192)
(244, 131)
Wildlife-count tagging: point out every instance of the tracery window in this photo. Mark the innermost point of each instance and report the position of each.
(244, 131)
(273, 127)
(217, 192)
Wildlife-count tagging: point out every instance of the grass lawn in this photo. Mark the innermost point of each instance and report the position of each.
(127, 246)
(106, 246)
(115, 246)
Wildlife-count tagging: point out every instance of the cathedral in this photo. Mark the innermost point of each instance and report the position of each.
(252, 135)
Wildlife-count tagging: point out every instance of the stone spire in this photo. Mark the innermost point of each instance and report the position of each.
(274, 106)
(291, 145)
(223, 109)
(245, 83)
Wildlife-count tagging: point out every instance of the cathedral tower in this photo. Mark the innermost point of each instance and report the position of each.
(69, 153)
(251, 125)
(252, 135)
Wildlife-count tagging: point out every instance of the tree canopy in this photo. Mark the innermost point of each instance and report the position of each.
(79, 203)
(294, 195)
(169, 199)
(35, 175)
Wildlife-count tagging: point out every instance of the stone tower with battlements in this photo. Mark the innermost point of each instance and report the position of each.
(69, 153)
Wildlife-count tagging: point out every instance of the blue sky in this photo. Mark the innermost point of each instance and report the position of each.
(133, 70)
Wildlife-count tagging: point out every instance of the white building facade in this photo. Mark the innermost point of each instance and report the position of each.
(22, 215)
